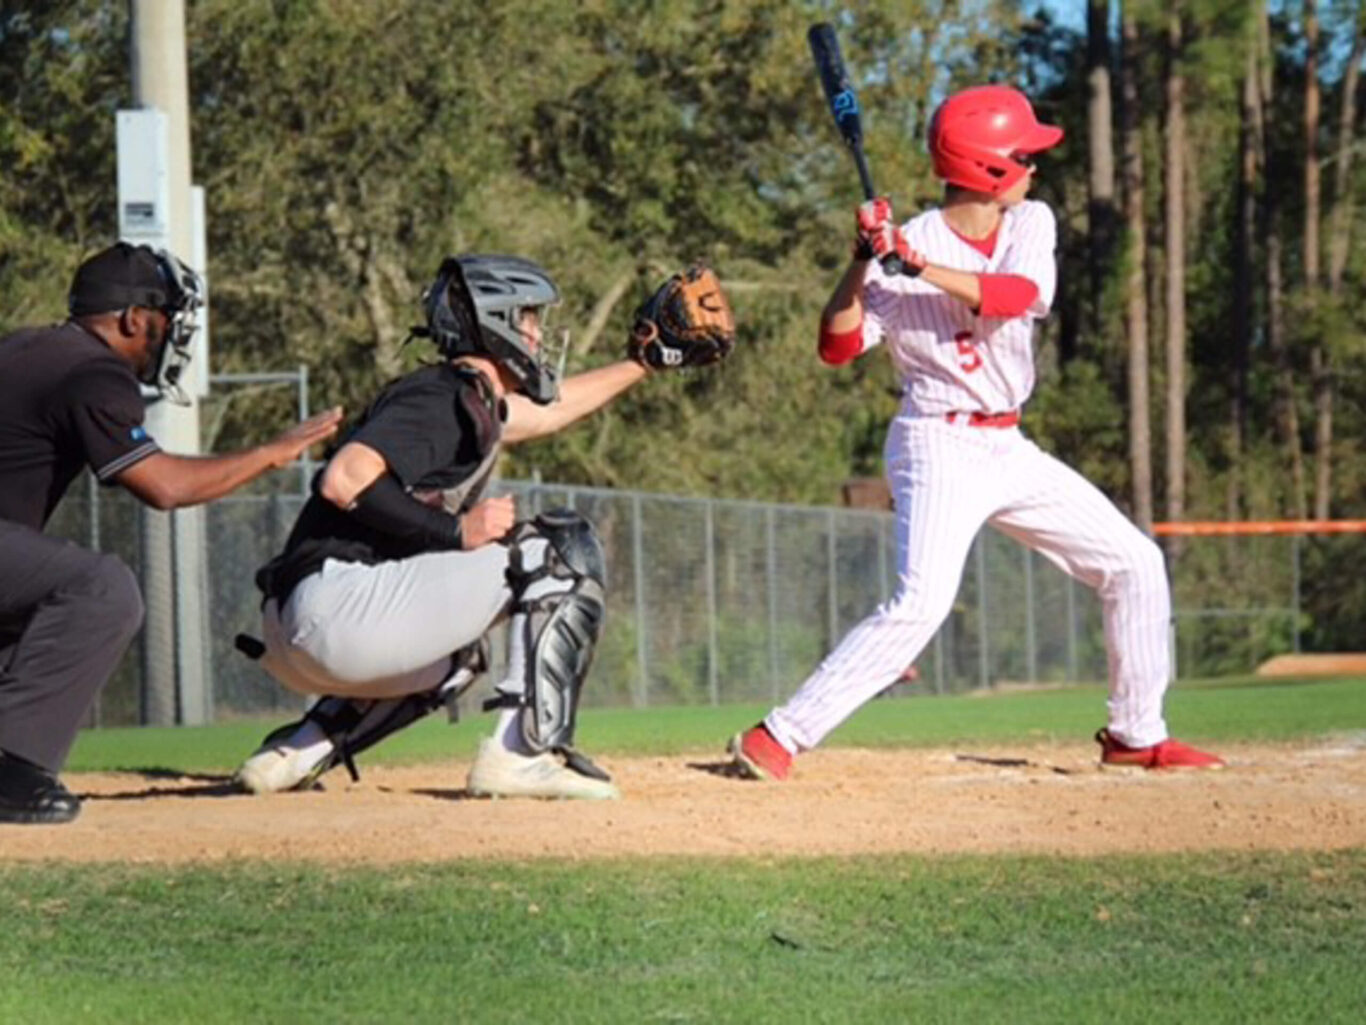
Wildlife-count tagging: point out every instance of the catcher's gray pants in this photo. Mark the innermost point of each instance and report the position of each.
(381, 631)
(66, 617)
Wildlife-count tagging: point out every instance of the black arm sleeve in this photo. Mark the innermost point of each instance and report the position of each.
(386, 507)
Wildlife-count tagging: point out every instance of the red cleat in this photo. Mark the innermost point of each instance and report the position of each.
(758, 756)
(1169, 754)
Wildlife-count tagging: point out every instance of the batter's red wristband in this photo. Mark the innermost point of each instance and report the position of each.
(840, 347)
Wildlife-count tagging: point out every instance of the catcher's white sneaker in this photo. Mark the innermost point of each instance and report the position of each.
(498, 772)
(291, 758)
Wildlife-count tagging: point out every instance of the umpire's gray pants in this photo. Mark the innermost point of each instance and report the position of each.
(66, 617)
(384, 630)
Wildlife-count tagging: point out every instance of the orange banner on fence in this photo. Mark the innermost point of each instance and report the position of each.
(1197, 528)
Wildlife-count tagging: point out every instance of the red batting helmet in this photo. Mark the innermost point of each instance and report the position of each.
(975, 134)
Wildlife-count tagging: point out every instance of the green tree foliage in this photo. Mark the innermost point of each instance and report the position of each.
(346, 146)
(63, 73)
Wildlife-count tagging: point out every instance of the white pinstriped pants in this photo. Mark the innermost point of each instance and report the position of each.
(947, 480)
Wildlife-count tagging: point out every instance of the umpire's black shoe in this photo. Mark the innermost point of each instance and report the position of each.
(31, 794)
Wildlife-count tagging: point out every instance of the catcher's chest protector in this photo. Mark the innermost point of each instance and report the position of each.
(481, 407)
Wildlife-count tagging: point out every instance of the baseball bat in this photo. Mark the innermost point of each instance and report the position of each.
(843, 102)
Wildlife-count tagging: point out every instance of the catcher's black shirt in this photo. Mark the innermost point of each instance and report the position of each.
(67, 400)
(434, 427)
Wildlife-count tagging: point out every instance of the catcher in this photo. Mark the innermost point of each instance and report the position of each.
(398, 567)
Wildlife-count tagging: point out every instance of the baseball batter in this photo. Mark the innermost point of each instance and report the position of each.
(958, 323)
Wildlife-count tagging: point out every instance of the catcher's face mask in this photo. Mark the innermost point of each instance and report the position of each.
(550, 347)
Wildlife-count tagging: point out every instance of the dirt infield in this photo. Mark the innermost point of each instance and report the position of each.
(840, 802)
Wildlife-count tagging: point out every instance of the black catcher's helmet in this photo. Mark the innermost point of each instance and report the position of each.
(474, 308)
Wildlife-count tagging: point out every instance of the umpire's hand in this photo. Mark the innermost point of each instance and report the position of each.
(302, 436)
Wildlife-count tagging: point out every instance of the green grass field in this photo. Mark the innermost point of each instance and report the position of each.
(1248, 708)
(1219, 937)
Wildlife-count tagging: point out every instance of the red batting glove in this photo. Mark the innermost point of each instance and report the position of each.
(912, 261)
(873, 228)
(877, 236)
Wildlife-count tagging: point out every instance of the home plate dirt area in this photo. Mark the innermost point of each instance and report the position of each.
(840, 801)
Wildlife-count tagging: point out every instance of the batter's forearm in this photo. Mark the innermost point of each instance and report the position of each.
(962, 285)
(844, 310)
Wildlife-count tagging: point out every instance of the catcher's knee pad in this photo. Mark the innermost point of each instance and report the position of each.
(556, 574)
(355, 724)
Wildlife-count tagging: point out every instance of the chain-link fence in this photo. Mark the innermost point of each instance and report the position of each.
(1240, 599)
(714, 601)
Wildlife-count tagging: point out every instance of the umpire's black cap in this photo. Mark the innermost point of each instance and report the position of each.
(118, 277)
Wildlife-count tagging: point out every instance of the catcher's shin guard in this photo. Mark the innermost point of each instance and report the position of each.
(556, 574)
(356, 724)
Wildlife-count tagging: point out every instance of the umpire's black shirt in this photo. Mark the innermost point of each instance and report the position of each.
(67, 400)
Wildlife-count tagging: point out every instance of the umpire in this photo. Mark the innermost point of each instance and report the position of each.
(70, 397)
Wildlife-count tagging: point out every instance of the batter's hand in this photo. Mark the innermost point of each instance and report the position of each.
(873, 227)
(487, 521)
(303, 436)
(877, 236)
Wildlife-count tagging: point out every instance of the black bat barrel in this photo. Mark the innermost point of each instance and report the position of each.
(843, 101)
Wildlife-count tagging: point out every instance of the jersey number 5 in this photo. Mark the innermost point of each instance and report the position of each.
(967, 349)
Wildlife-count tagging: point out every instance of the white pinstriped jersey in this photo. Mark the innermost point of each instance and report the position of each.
(949, 358)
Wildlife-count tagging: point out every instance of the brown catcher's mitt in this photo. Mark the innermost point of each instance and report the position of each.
(686, 323)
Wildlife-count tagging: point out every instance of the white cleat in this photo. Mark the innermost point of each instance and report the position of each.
(292, 761)
(498, 772)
